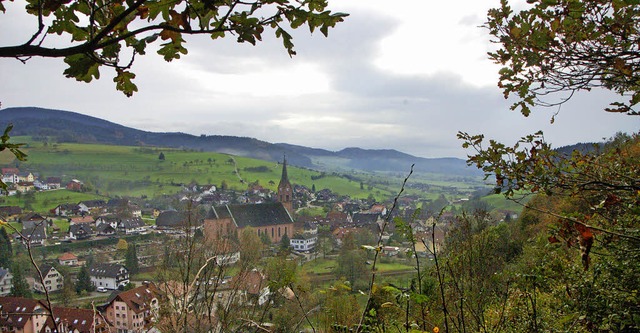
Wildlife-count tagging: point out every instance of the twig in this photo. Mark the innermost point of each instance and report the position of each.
(379, 248)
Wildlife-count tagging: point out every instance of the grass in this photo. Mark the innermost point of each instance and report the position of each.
(111, 171)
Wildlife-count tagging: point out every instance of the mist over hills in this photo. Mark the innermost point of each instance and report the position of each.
(65, 126)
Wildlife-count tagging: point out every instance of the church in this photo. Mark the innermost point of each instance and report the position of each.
(271, 219)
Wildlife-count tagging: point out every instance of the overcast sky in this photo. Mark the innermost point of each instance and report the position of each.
(407, 77)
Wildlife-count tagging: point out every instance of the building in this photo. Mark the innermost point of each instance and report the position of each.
(108, 276)
(270, 219)
(304, 242)
(6, 282)
(71, 320)
(52, 280)
(22, 315)
(131, 226)
(285, 190)
(80, 231)
(134, 310)
(68, 259)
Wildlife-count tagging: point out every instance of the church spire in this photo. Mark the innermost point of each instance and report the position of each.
(285, 177)
(285, 190)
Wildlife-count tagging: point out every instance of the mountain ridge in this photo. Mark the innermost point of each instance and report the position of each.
(68, 126)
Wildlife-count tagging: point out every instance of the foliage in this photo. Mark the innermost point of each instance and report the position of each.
(113, 33)
(564, 46)
(20, 287)
(5, 249)
(131, 259)
(84, 280)
(161, 156)
(588, 201)
(122, 245)
(5, 144)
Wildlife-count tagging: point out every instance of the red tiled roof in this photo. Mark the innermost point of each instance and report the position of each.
(67, 256)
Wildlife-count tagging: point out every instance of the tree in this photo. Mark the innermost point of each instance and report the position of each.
(84, 280)
(131, 259)
(161, 156)
(122, 245)
(560, 47)
(113, 33)
(20, 286)
(251, 249)
(5, 249)
(285, 243)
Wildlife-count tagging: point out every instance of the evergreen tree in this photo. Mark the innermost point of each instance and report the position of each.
(285, 243)
(20, 286)
(161, 156)
(5, 249)
(131, 259)
(84, 280)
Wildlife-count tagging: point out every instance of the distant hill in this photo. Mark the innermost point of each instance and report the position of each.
(65, 126)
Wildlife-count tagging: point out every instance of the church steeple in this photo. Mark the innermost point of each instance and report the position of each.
(285, 190)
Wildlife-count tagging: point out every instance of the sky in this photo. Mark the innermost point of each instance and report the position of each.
(406, 76)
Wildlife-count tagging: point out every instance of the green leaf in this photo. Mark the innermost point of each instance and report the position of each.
(82, 68)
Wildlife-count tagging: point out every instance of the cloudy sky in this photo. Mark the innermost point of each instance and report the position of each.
(407, 77)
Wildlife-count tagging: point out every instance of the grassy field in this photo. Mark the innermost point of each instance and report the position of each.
(109, 171)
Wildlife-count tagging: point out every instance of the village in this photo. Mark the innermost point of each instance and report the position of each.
(91, 249)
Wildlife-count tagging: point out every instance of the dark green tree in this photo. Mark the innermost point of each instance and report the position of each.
(84, 280)
(285, 243)
(161, 156)
(131, 259)
(20, 286)
(5, 249)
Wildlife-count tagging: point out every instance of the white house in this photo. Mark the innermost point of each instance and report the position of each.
(52, 279)
(303, 242)
(108, 276)
(6, 282)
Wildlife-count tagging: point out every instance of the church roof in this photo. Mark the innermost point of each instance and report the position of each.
(256, 215)
(285, 177)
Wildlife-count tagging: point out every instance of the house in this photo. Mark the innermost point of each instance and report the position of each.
(10, 212)
(123, 207)
(108, 276)
(129, 226)
(26, 176)
(304, 242)
(74, 185)
(133, 310)
(10, 175)
(70, 320)
(105, 229)
(252, 287)
(87, 219)
(22, 315)
(35, 232)
(65, 209)
(53, 183)
(172, 219)
(6, 282)
(52, 280)
(111, 220)
(68, 259)
(24, 187)
(80, 231)
(91, 206)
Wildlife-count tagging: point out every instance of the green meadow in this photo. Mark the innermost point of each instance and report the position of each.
(110, 171)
